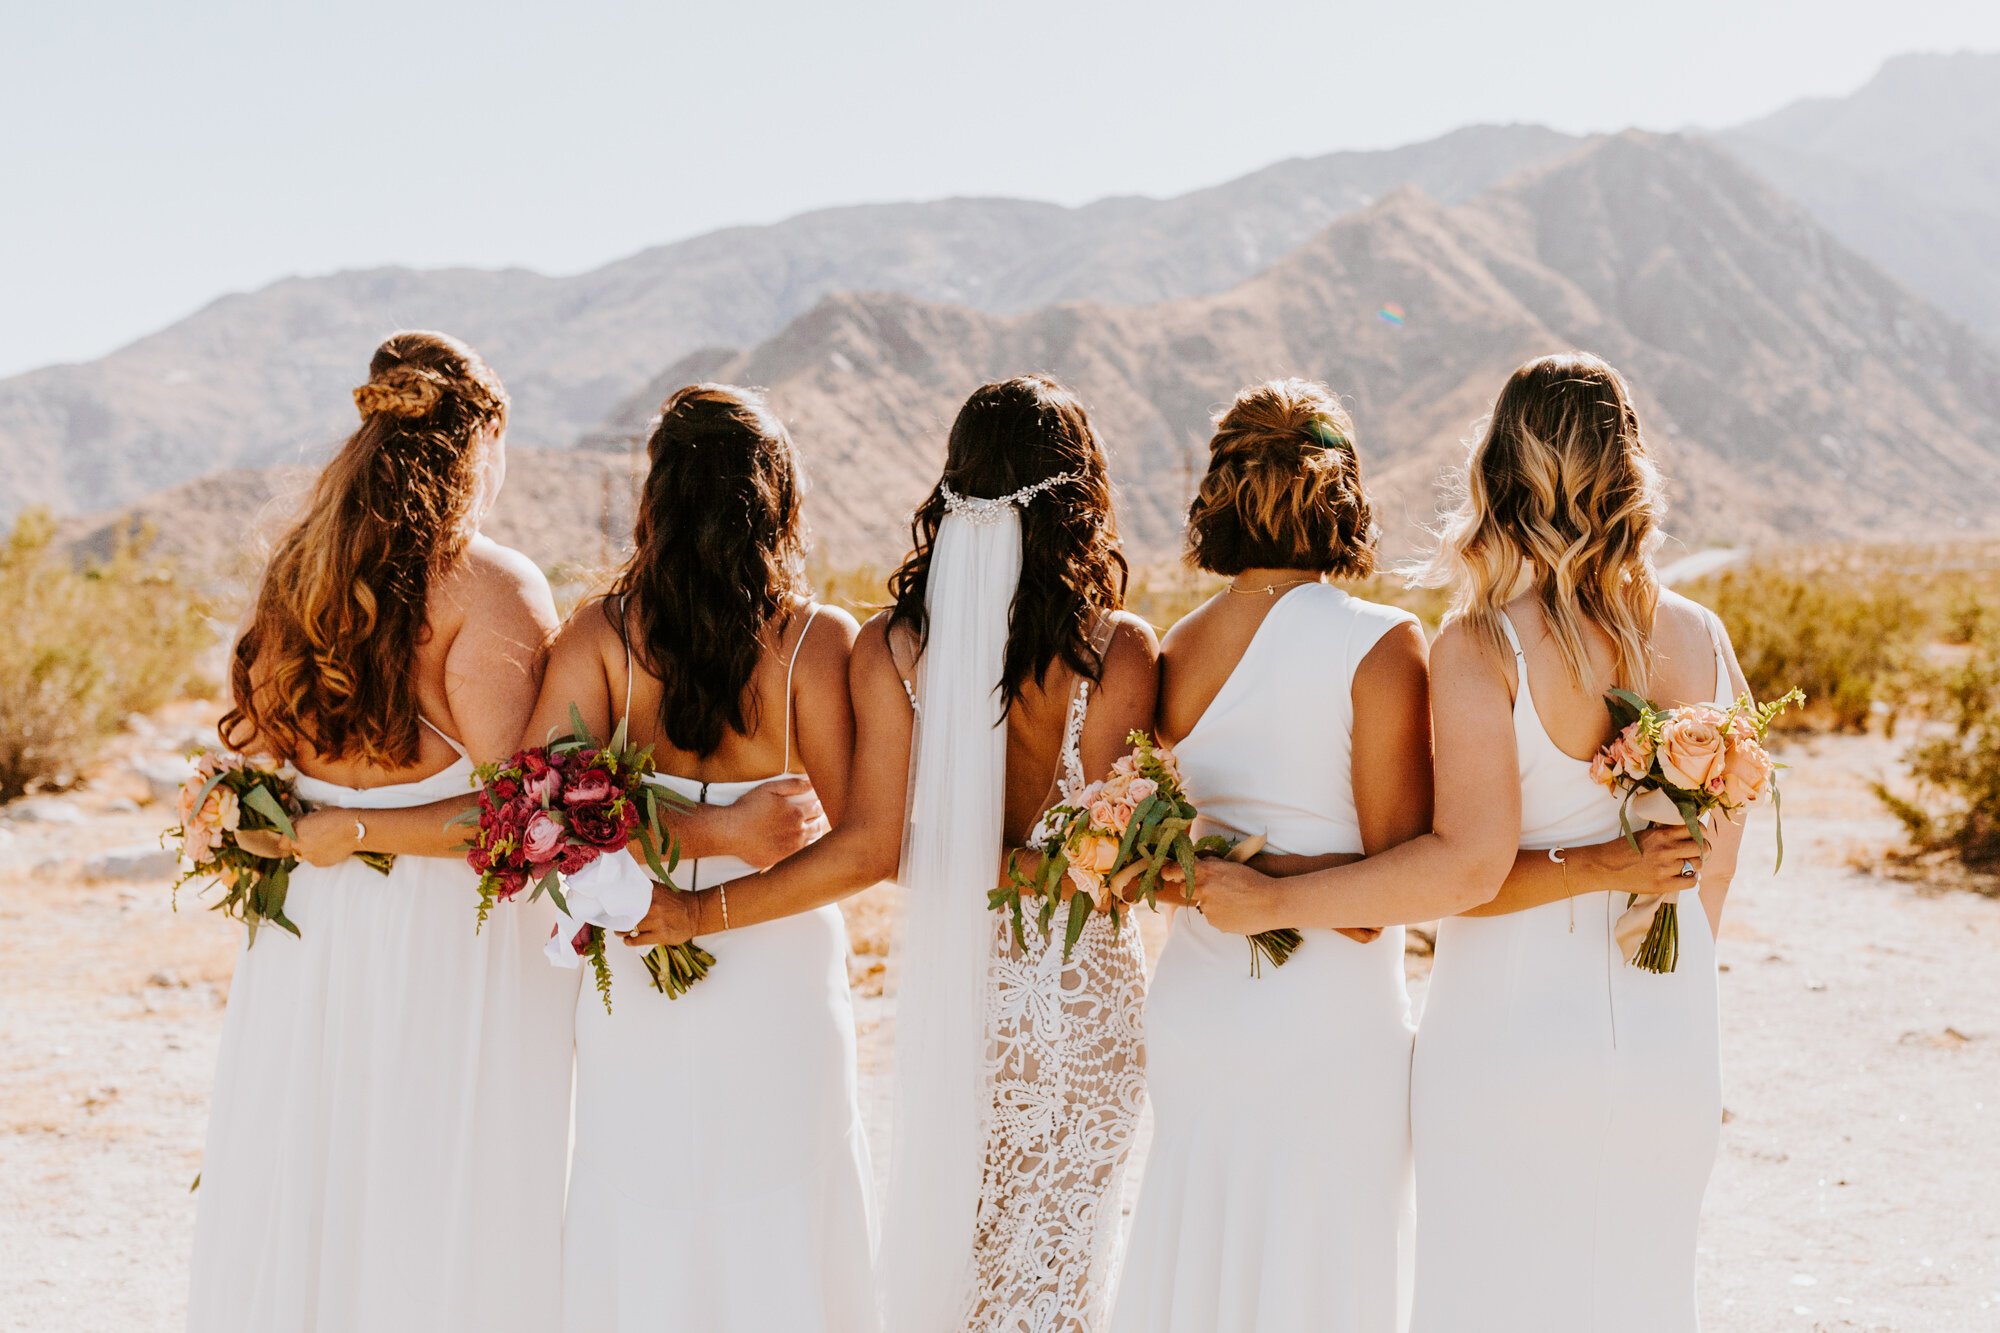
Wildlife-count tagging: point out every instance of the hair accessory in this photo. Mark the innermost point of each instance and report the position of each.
(400, 391)
(1325, 432)
(982, 511)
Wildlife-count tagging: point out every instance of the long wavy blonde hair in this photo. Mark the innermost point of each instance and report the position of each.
(327, 659)
(1561, 500)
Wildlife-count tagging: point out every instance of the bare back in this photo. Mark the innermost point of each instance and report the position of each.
(477, 667)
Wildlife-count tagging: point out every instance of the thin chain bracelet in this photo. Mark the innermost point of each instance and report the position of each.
(1556, 855)
(723, 891)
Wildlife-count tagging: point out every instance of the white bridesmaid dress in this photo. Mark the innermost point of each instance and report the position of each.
(720, 1180)
(1566, 1105)
(388, 1131)
(1276, 1195)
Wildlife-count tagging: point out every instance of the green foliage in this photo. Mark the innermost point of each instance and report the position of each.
(1956, 805)
(84, 648)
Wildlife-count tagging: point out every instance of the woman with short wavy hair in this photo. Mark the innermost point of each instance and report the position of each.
(387, 1135)
(1565, 1104)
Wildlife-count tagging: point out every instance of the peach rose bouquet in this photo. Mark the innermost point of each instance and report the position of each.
(1111, 844)
(1683, 766)
(231, 813)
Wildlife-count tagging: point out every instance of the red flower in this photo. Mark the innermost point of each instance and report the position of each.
(590, 787)
(576, 856)
(581, 940)
(598, 827)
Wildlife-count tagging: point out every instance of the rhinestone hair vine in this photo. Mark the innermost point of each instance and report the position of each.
(982, 512)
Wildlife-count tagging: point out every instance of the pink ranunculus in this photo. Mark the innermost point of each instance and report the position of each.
(590, 787)
(1691, 751)
(1746, 775)
(542, 788)
(542, 837)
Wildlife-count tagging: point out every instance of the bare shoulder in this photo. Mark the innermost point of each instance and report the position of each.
(488, 565)
(830, 636)
(1187, 634)
(1683, 616)
(1461, 652)
(1401, 653)
(873, 664)
(1134, 642)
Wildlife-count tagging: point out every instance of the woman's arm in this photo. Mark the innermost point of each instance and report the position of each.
(1725, 839)
(1604, 867)
(863, 848)
(1458, 865)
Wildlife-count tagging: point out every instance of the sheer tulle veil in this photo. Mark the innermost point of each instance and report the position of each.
(951, 857)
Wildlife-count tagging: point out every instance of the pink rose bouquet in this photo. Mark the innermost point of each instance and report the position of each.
(1682, 766)
(552, 812)
(1118, 835)
(230, 813)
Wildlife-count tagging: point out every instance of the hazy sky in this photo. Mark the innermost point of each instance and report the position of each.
(154, 156)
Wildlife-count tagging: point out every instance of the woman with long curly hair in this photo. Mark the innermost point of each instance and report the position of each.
(387, 1134)
(1565, 1104)
(1003, 676)
(720, 1181)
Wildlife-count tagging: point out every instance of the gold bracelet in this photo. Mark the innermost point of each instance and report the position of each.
(1556, 855)
(723, 891)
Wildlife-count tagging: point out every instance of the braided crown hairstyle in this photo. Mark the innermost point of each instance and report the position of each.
(326, 661)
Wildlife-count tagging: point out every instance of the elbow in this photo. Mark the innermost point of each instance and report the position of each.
(1481, 874)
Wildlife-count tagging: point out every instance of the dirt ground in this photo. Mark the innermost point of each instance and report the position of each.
(1858, 1186)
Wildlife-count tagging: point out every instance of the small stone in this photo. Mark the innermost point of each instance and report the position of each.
(47, 810)
(141, 862)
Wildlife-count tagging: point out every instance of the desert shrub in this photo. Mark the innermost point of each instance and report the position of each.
(1955, 807)
(1850, 641)
(81, 648)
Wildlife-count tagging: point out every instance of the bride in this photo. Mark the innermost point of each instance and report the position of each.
(387, 1134)
(1003, 675)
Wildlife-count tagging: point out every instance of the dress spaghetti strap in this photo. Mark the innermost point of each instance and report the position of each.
(456, 748)
(811, 614)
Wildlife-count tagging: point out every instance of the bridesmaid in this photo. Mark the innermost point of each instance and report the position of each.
(1279, 1176)
(1565, 1105)
(386, 1137)
(756, 1215)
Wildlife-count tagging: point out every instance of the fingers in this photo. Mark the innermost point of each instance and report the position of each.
(1360, 934)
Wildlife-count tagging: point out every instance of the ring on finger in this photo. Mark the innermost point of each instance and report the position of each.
(1687, 870)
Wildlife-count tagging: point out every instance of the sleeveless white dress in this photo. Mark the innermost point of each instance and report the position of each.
(387, 1137)
(1277, 1190)
(1566, 1105)
(721, 1180)
(1066, 1060)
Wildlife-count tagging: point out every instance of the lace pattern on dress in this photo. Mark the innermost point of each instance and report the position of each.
(1067, 1065)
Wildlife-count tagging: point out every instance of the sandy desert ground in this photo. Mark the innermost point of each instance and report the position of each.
(1858, 1186)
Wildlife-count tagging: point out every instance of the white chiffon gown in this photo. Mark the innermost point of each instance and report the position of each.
(1566, 1105)
(387, 1136)
(1276, 1195)
(720, 1180)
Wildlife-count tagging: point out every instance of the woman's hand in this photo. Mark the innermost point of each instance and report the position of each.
(1235, 898)
(772, 821)
(670, 920)
(324, 837)
(1664, 851)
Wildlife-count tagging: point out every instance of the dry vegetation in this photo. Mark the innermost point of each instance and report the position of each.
(85, 647)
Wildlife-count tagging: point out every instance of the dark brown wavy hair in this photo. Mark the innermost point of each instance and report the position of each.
(326, 661)
(719, 557)
(1283, 489)
(1010, 434)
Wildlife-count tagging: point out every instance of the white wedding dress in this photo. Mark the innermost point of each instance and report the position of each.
(1276, 1194)
(721, 1178)
(1067, 1065)
(387, 1136)
(1566, 1105)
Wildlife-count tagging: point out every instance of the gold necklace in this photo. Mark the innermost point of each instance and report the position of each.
(1269, 589)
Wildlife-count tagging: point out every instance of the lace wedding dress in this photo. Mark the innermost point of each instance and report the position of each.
(1068, 1073)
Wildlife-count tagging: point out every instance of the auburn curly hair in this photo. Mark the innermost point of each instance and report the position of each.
(1283, 487)
(1010, 434)
(1560, 499)
(718, 558)
(326, 661)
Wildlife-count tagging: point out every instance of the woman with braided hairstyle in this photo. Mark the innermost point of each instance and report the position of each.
(387, 1136)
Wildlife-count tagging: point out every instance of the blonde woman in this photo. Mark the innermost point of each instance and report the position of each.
(1277, 1188)
(1565, 1105)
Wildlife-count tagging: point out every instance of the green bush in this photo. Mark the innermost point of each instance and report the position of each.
(83, 648)
(1956, 806)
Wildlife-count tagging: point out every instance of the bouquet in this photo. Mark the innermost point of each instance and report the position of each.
(233, 811)
(559, 817)
(1126, 829)
(1681, 766)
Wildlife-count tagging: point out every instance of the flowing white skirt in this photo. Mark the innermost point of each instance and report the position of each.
(1276, 1196)
(1566, 1109)
(721, 1179)
(387, 1136)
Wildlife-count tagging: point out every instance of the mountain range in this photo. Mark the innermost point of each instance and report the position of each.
(1783, 296)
